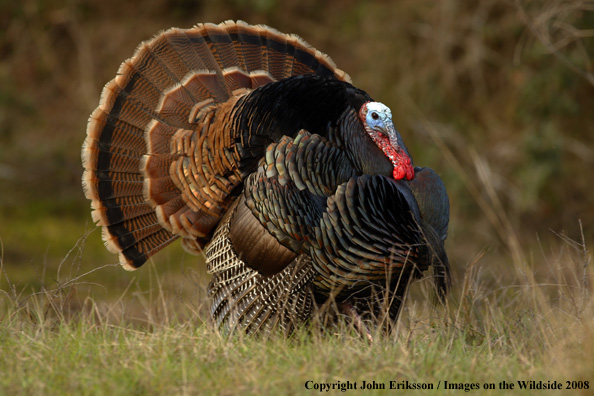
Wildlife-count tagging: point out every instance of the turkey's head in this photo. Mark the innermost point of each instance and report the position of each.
(377, 120)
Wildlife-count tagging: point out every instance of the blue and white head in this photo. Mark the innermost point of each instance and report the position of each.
(377, 120)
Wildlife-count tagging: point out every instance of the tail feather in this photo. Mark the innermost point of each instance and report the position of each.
(158, 139)
(162, 190)
(171, 50)
(120, 161)
(201, 46)
(143, 228)
(249, 45)
(150, 64)
(221, 44)
(137, 254)
(140, 94)
(191, 48)
(117, 212)
(101, 188)
(133, 96)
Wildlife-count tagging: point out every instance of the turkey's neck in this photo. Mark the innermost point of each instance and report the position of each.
(399, 157)
(364, 153)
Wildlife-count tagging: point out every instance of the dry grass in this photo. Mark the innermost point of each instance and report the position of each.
(58, 341)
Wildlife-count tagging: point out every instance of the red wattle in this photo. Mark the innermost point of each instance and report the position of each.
(402, 171)
(400, 160)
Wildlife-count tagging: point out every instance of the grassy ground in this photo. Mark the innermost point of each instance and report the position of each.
(496, 96)
(152, 340)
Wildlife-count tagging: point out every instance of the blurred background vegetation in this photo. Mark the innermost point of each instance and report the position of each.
(496, 95)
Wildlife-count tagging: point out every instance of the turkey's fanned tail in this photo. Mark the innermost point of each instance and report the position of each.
(138, 139)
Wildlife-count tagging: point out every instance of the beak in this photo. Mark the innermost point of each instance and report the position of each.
(395, 139)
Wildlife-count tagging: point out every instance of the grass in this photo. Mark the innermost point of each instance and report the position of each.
(155, 340)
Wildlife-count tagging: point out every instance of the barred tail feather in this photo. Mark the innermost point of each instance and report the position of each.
(113, 181)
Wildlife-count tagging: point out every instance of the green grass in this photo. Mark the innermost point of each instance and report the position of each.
(180, 359)
(155, 340)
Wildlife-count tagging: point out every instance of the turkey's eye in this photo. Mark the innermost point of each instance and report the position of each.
(375, 116)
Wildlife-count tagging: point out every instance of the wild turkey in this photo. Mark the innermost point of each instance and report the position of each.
(254, 148)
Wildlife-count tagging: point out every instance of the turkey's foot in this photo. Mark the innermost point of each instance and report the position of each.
(349, 310)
